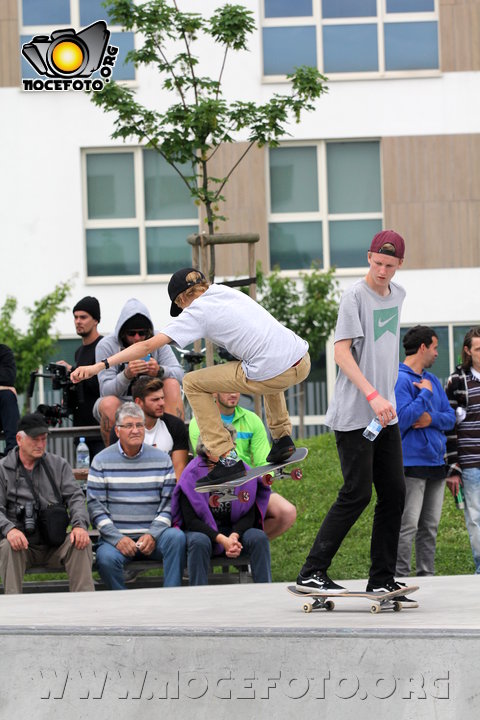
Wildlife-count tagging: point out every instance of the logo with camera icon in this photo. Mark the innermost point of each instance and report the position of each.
(70, 58)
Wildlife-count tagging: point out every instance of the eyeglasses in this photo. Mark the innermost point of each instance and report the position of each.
(140, 333)
(132, 426)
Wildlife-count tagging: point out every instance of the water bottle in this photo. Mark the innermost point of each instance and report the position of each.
(372, 429)
(83, 455)
(459, 499)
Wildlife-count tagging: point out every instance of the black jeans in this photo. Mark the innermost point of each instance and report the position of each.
(365, 463)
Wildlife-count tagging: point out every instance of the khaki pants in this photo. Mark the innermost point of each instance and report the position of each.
(229, 377)
(77, 564)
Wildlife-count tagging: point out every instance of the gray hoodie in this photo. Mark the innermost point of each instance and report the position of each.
(113, 380)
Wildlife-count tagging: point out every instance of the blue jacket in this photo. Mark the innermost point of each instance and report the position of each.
(423, 447)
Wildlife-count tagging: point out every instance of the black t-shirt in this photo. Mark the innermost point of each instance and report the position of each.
(82, 414)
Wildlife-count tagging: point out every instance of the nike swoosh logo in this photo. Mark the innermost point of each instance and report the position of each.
(382, 323)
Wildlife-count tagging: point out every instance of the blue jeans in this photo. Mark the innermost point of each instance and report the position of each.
(170, 549)
(255, 544)
(471, 490)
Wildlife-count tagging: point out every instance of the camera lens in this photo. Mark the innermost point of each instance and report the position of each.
(29, 519)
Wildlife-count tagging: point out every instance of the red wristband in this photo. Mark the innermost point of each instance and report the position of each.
(372, 395)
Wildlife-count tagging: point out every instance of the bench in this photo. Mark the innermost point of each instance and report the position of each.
(136, 578)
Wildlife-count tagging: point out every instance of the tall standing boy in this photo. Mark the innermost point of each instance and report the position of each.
(366, 352)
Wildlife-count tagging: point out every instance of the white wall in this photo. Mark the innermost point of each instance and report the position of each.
(42, 134)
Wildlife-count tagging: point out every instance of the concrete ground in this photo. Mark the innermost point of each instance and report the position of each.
(445, 603)
(246, 651)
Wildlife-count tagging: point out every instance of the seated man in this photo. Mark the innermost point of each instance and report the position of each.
(134, 324)
(28, 476)
(8, 397)
(252, 447)
(129, 492)
(232, 528)
(162, 430)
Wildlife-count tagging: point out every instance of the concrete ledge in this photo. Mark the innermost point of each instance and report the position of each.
(244, 651)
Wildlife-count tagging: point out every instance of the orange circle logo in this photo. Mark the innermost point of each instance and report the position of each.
(67, 56)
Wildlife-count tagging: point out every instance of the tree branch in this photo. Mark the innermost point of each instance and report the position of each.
(226, 179)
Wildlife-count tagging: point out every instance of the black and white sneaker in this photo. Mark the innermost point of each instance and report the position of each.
(387, 587)
(318, 581)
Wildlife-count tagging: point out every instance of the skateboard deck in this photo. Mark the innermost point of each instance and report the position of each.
(225, 492)
(381, 601)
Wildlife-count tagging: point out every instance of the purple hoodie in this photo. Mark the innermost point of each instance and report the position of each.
(198, 468)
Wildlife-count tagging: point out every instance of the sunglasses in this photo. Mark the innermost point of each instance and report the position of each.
(133, 333)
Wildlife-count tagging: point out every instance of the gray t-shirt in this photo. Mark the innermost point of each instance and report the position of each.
(372, 322)
(233, 320)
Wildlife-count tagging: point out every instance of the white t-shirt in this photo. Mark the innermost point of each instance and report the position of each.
(159, 437)
(233, 320)
(372, 322)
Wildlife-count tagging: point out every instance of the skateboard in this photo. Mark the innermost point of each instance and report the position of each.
(268, 473)
(381, 601)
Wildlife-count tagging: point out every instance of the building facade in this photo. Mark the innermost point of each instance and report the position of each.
(394, 144)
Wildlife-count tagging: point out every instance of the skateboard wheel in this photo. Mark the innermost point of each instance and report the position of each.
(397, 606)
(214, 501)
(307, 608)
(244, 496)
(375, 609)
(329, 605)
(268, 479)
(296, 474)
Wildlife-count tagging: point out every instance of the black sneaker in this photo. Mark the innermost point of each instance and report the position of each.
(281, 450)
(318, 581)
(387, 587)
(222, 473)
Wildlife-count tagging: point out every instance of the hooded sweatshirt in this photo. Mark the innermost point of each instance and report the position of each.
(113, 381)
(422, 447)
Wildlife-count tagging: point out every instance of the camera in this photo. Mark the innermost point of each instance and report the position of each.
(72, 395)
(27, 514)
(67, 53)
(59, 375)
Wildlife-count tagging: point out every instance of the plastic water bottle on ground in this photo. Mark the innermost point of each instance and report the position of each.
(83, 454)
(372, 429)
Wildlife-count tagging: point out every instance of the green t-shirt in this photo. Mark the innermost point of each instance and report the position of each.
(252, 441)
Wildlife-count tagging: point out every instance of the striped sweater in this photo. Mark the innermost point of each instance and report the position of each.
(130, 495)
(463, 442)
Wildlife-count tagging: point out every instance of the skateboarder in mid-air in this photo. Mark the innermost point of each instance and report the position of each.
(271, 358)
(366, 351)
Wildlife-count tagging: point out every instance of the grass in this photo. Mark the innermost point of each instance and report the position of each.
(313, 497)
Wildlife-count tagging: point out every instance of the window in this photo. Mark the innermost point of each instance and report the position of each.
(42, 17)
(138, 214)
(325, 204)
(350, 37)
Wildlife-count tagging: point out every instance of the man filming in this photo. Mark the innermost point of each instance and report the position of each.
(86, 316)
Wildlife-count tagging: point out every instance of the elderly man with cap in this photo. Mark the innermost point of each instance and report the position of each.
(86, 316)
(134, 324)
(366, 352)
(30, 480)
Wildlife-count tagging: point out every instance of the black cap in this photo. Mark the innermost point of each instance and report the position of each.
(178, 284)
(33, 424)
(89, 305)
